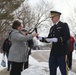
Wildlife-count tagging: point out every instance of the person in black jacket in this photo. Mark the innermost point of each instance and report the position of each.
(30, 44)
(59, 34)
(6, 46)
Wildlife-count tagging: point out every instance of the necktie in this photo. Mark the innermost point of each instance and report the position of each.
(55, 26)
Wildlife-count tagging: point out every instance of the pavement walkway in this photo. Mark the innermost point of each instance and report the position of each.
(4, 72)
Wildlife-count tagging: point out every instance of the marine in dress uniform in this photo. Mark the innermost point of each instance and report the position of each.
(59, 34)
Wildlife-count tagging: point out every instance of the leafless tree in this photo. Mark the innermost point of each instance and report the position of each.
(34, 17)
(42, 16)
(7, 7)
(72, 18)
(25, 15)
(42, 12)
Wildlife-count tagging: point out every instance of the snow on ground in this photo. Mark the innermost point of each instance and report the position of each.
(74, 54)
(38, 68)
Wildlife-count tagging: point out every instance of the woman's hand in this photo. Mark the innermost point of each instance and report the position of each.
(35, 35)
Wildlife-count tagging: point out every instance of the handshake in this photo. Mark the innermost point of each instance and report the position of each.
(49, 39)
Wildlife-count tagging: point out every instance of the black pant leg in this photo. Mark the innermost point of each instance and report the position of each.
(9, 65)
(8, 62)
(53, 65)
(26, 65)
(70, 60)
(62, 64)
(16, 68)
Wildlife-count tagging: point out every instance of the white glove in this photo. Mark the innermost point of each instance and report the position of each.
(39, 37)
(54, 39)
(49, 39)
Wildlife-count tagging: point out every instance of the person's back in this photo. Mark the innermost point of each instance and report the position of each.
(70, 54)
(71, 43)
(6, 46)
